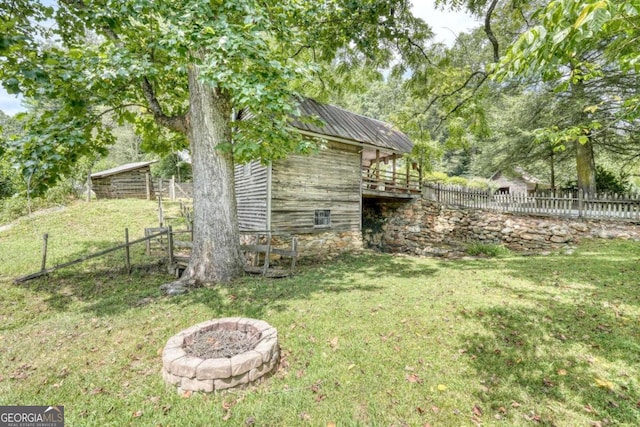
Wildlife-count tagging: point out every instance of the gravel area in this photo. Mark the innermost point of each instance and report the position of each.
(220, 343)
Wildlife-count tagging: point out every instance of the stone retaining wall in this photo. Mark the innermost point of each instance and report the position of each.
(416, 226)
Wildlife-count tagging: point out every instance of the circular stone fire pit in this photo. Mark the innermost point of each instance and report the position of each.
(220, 354)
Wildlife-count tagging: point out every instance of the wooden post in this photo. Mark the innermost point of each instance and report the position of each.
(377, 169)
(126, 250)
(580, 202)
(172, 188)
(170, 244)
(147, 242)
(393, 165)
(407, 167)
(45, 243)
(89, 186)
(160, 213)
(147, 183)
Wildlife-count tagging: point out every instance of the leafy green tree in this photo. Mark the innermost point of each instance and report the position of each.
(191, 66)
(580, 47)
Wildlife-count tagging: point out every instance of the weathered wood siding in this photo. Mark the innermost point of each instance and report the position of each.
(128, 184)
(252, 195)
(329, 179)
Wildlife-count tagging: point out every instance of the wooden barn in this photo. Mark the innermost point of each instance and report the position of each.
(324, 192)
(132, 180)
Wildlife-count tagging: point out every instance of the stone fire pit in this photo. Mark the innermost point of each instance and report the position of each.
(220, 354)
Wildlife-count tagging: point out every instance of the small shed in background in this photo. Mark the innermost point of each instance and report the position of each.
(517, 181)
(132, 180)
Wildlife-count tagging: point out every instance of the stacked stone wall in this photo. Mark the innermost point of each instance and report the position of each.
(328, 244)
(417, 226)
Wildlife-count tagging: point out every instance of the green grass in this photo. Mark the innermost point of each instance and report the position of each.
(367, 340)
(486, 249)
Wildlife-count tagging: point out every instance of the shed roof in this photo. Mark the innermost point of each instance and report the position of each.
(351, 126)
(122, 168)
(514, 173)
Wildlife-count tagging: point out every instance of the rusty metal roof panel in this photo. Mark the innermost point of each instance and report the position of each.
(344, 124)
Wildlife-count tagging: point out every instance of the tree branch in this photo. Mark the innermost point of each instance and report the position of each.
(489, 31)
(175, 123)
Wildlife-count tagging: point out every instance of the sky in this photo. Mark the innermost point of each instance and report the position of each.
(446, 25)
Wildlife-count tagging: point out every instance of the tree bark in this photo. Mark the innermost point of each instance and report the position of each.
(586, 167)
(215, 256)
(585, 158)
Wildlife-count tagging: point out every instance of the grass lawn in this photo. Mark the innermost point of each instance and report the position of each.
(367, 339)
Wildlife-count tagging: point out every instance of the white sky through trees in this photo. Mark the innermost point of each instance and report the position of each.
(445, 24)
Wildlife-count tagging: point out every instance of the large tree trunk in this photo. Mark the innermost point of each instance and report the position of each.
(585, 159)
(586, 167)
(215, 256)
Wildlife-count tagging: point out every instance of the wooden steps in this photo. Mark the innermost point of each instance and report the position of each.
(260, 256)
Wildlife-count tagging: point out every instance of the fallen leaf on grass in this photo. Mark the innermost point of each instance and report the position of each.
(315, 388)
(305, 417)
(413, 378)
(334, 343)
(562, 372)
(515, 404)
(331, 424)
(137, 414)
(435, 409)
(604, 383)
(442, 387)
(589, 408)
(477, 410)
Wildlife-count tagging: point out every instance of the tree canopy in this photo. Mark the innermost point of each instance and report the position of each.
(194, 67)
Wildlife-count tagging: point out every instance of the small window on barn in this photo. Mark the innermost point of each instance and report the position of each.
(322, 218)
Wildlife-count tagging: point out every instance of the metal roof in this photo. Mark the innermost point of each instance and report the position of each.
(122, 168)
(347, 125)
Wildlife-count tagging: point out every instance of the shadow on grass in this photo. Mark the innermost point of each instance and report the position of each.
(568, 338)
(110, 291)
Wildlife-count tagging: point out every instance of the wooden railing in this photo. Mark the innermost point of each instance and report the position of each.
(390, 182)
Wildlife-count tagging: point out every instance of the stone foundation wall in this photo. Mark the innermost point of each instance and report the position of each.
(417, 226)
(313, 245)
(329, 244)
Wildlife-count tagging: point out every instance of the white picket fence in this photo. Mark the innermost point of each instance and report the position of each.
(581, 205)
